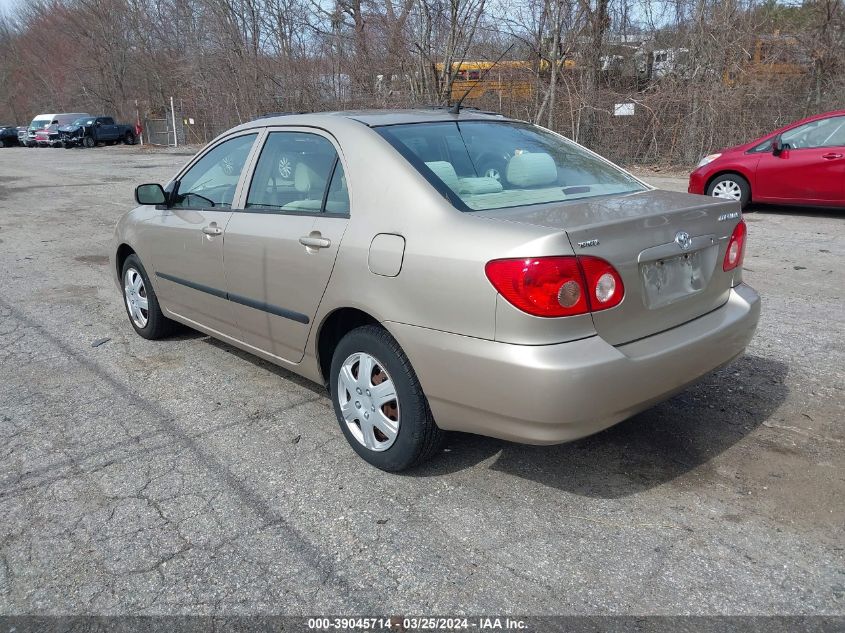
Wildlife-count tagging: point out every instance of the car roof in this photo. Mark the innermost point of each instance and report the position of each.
(374, 118)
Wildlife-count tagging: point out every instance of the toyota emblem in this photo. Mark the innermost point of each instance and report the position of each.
(683, 240)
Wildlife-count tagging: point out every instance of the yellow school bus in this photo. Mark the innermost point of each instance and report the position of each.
(771, 56)
(513, 79)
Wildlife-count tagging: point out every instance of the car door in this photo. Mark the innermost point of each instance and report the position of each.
(186, 237)
(811, 167)
(280, 247)
(106, 129)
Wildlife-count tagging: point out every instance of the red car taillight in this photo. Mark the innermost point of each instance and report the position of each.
(605, 285)
(736, 247)
(556, 286)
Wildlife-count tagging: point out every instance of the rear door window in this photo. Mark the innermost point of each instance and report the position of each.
(293, 174)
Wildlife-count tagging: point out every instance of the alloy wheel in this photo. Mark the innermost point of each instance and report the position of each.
(135, 293)
(368, 401)
(493, 173)
(285, 167)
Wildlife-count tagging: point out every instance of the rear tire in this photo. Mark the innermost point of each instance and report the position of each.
(730, 187)
(412, 437)
(141, 302)
(129, 138)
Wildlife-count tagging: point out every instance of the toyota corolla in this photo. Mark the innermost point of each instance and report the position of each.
(441, 271)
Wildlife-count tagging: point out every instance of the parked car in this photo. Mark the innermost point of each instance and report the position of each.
(8, 135)
(23, 135)
(48, 136)
(89, 131)
(801, 163)
(44, 129)
(39, 122)
(368, 252)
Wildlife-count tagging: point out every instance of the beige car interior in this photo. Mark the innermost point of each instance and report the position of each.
(532, 178)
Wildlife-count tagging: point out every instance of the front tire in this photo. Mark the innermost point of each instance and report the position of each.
(730, 187)
(141, 302)
(89, 142)
(379, 403)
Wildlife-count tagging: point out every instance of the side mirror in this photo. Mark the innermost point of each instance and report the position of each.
(98, 123)
(151, 193)
(777, 146)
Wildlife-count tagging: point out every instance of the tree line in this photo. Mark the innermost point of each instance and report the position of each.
(690, 75)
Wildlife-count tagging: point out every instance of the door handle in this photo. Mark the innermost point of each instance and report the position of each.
(315, 241)
(212, 229)
(831, 156)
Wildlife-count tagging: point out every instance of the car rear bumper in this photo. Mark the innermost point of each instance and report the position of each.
(546, 394)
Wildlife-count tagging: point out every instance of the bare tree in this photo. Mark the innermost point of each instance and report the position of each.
(700, 73)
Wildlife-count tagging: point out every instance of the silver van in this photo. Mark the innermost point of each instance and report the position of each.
(38, 123)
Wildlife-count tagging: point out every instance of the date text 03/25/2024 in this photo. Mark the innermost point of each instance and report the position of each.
(415, 623)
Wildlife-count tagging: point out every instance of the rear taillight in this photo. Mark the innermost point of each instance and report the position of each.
(604, 283)
(736, 247)
(542, 286)
(556, 286)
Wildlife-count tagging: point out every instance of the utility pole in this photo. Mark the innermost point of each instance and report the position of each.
(173, 118)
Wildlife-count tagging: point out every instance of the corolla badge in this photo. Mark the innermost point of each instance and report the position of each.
(683, 240)
(588, 243)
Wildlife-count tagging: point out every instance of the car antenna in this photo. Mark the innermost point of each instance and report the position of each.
(456, 109)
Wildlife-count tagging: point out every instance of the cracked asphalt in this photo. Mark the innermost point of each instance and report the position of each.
(186, 477)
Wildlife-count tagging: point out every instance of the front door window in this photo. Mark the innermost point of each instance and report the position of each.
(211, 182)
(822, 133)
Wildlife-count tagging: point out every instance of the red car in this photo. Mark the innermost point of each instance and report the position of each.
(801, 163)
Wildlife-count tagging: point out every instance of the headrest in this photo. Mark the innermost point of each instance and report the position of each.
(305, 179)
(444, 170)
(483, 184)
(531, 169)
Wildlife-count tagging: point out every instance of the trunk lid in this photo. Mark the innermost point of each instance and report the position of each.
(668, 248)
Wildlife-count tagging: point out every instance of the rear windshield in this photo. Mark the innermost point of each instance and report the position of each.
(483, 165)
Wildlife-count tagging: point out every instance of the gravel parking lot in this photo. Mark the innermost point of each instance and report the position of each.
(184, 476)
